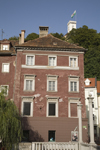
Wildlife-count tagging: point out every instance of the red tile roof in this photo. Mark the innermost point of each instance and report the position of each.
(98, 86)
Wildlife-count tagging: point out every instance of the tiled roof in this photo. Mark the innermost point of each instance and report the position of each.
(50, 41)
(98, 86)
(92, 82)
(12, 44)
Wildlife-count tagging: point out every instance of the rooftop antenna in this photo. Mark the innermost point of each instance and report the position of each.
(2, 34)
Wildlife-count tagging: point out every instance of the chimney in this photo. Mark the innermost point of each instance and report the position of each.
(43, 31)
(21, 37)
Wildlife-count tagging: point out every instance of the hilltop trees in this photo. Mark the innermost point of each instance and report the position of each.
(89, 39)
(10, 123)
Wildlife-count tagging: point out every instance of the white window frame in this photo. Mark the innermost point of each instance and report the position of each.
(55, 63)
(33, 59)
(27, 99)
(73, 79)
(3, 47)
(73, 61)
(52, 78)
(3, 67)
(55, 101)
(31, 78)
(7, 89)
(71, 101)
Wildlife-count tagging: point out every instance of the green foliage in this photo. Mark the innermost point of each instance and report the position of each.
(10, 123)
(31, 36)
(89, 39)
(60, 36)
(14, 38)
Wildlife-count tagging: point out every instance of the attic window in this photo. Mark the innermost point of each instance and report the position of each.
(87, 82)
(5, 47)
(54, 43)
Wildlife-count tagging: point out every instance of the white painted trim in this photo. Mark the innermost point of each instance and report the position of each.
(8, 67)
(55, 64)
(33, 59)
(72, 79)
(76, 61)
(51, 100)
(50, 67)
(7, 89)
(52, 78)
(29, 78)
(22, 104)
(48, 54)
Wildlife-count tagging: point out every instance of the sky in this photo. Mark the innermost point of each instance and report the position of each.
(17, 15)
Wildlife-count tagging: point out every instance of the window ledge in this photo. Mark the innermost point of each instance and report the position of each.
(52, 116)
(27, 91)
(73, 92)
(52, 91)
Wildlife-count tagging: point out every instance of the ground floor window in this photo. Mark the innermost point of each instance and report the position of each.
(51, 136)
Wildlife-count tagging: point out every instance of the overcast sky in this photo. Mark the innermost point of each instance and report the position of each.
(17, 15)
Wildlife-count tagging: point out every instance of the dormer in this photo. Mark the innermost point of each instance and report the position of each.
(87, 82)
(5, 45)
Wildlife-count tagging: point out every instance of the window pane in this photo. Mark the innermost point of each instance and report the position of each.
(51, 86)
(26, 108)
(29, 60)
(71, 86)
(75, 86)
(5, 47)
(52, 108)
(5, 89)
(5, 67)
(51, 136)
(73, 62)
(29, 84)
(52, 61)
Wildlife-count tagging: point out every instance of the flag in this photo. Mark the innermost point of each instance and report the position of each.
(74, 13)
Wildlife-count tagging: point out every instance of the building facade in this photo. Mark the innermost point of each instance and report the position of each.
(91, 87)
(47, 86)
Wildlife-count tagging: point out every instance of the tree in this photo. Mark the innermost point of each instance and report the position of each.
(84, 37)
(10, 123)
(14, 38)
(31, 36)
(60, 36)
(89, 39)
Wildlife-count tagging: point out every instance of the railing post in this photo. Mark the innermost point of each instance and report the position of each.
(80, 121)
(90, 99)
(33, 146)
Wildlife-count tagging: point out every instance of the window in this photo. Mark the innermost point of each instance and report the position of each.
(72, 107)
(73, 84)
(5, 88)
(29, 82)
(5, 67)
(52, 60)
(73, 61)
(5, 47)
(27, 106)
(30, 60)
(52, 107)
(52, 83)
(51, 136)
